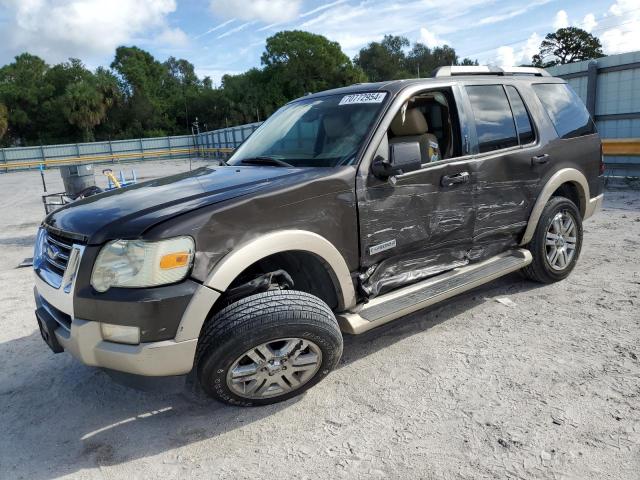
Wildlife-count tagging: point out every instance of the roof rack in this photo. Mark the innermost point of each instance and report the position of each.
(486, 70)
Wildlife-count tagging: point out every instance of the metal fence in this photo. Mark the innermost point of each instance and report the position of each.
(96, 152)
(610, 88)
(211, 144)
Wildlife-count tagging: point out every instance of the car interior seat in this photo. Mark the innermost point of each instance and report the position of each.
(410, 126)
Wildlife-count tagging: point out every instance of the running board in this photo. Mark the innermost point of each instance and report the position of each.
(406, 300)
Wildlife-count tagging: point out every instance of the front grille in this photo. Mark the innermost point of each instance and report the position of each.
(56, 251)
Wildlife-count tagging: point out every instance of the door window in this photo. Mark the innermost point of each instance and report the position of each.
(523, 121)
(566, 110)
(495, 126)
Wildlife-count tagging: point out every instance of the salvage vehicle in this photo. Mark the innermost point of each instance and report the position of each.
(345, 210)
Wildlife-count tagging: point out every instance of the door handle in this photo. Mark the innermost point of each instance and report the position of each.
(450, 180)
(540, 159)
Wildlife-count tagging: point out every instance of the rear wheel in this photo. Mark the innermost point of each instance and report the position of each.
(556, 243)
(268, 347)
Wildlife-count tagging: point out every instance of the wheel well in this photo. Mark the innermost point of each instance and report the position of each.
(308, 272)
(573, 192)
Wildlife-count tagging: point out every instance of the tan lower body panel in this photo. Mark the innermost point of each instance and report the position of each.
(412, 298)
(594, 205)
(84, 341)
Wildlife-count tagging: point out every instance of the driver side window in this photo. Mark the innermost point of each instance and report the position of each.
(429, 120)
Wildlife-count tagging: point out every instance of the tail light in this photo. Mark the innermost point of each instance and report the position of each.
(601, 160)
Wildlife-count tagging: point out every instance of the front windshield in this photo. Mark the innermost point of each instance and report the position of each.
(315, 132)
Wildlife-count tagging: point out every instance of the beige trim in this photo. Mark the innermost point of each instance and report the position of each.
(287, 240)
(354, 324)
(196, 313)
(594, 206)
(565, 175)
(168, 357)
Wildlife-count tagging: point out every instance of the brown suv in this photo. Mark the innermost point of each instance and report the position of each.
(345, 210)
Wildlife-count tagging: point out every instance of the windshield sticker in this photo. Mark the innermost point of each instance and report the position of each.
(363, 98)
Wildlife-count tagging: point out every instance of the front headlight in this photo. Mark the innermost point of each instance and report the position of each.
(136, 263)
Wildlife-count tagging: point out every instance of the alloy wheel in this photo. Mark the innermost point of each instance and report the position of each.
(274, 368)
(561, 240)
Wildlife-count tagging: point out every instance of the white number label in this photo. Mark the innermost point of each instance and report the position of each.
(363, 98)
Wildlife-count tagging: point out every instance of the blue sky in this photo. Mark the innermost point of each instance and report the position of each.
(228, 36)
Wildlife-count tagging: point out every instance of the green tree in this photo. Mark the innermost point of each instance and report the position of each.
(24, 89)
(4, 120)
(384, 60)
(387, 60)
(85, 107)
(303, 62)
(567, 45)
(57, 128)
(182, 88)
(142, 82)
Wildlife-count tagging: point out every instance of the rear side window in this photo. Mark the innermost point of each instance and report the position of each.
(494, 122)
(566, 110)
(520, 114)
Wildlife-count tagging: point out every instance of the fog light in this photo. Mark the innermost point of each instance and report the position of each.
(120, 333)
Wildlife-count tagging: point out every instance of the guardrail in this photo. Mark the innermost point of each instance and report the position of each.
(621, 146)
(150, 154)
(610, 147)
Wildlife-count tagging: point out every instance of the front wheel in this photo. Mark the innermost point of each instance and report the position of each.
(556, 243)
(268, 347)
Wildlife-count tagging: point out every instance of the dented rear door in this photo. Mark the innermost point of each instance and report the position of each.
(510, 158)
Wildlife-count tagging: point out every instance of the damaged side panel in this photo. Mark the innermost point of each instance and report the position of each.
(413, 227)
(434, 228)
(321, 200)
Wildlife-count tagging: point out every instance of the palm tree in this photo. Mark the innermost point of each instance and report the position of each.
(4, 120)
(85, 107)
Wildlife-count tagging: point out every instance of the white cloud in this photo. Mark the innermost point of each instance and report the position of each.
(430, 39)
(624, 37)
(514, 12)
(173, 37)
(58, 29)
(355, 24)
(217, 27)
(322, 7)
(509, 56)
(589, 22)
(530, 48)
(268, 11)
(561, 20)
(505, 57)
(235, 30)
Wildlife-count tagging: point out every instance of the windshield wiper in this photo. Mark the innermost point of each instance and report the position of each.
(266, 161)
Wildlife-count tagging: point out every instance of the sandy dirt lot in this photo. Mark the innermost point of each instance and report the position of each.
(548, 388)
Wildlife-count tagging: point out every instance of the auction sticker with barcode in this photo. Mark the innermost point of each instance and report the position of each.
(362, 98)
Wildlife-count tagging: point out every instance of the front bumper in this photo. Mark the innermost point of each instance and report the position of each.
(84, 341)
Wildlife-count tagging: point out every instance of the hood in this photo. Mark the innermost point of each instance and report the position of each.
(129, 211)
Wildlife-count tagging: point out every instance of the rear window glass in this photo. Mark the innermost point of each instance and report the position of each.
(523, 121)
(494, 122)
(566, 110)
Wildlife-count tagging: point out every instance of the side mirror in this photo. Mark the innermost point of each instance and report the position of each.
(404, 157)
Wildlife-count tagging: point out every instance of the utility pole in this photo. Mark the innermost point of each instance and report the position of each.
(195, 131)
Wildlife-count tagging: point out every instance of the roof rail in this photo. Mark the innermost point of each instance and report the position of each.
(486, 70)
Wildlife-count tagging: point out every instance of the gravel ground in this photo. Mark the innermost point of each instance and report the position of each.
(546, 388)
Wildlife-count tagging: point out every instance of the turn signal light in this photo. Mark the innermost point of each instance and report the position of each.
(175, 260)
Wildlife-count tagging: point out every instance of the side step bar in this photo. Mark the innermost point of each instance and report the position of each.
(406, 300)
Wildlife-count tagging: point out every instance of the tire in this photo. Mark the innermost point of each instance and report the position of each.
(541, 269)
(279, 325)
